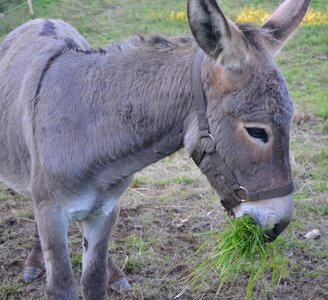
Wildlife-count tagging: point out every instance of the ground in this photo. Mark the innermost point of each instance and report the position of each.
(170, 201)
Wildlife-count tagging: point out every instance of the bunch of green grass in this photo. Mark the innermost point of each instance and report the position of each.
(238, 250)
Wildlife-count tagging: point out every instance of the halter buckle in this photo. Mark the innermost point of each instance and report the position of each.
(242, 193)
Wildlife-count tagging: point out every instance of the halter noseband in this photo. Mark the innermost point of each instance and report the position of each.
(208, 159)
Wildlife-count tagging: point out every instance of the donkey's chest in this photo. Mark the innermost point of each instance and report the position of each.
(88, 204)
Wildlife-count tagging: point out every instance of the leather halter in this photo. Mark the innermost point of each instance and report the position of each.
(209, 160)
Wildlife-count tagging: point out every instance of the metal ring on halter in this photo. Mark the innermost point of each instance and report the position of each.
(211, 136)
(246, 193)
(241, 193)
(209, 146)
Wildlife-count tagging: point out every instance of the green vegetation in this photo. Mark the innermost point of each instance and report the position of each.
(76, 262)
(133, 265)
(238, 249)
(24, 213)
(182, 180)
(4, 196)
(306, 74)
(10, 289)
(137, 182)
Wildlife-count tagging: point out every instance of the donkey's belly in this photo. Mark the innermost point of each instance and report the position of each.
(89, 203)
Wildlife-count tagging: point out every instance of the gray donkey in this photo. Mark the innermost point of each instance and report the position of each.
(76, 124)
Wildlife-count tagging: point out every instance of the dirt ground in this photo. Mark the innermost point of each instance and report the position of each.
(153, 277)
(167, 203)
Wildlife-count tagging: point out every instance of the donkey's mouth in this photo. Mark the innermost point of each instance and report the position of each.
(271, 234)
(273, 215)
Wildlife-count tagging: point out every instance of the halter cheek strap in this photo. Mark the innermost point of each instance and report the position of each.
(209, 160)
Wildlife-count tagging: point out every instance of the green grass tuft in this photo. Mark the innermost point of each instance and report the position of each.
(240, 249)
(76, 262)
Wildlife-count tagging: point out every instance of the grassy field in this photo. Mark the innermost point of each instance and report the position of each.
(169, 201)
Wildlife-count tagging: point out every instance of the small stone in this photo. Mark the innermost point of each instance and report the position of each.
(323, 57)
(313, 234)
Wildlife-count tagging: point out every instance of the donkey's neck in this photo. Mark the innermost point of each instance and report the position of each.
(150, 100)
(141, 101)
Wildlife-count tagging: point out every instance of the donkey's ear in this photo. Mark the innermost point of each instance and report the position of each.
(216, 35)
(284, 21)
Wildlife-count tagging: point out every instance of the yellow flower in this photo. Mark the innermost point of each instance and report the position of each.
(180, 16)
(252, 15)
(315, 18)
(258, 15)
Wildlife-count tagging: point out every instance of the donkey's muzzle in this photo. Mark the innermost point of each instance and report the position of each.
(271, 234)
(272, 215)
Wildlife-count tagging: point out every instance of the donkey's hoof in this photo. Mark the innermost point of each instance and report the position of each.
(31, 273)
(121, 285)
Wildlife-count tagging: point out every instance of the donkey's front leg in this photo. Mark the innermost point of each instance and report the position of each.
(96, 234)
(53, 226)
(117, 279)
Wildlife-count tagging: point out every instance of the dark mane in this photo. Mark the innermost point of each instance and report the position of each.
(254, 35)
(154, 41)
(70, 45)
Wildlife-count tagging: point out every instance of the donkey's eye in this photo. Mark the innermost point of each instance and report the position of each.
(258, 133)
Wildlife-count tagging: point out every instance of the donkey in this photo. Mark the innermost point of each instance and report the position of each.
(77, 123)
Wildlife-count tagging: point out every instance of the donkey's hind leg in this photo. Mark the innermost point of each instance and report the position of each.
(33, 265)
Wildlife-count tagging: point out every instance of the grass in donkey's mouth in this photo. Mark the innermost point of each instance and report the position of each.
(238, 250)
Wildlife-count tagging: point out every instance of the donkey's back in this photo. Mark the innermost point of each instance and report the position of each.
(24, 57)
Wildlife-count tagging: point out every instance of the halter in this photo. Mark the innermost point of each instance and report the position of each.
(209, 160)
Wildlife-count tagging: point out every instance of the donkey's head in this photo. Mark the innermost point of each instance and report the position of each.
(249, 111)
